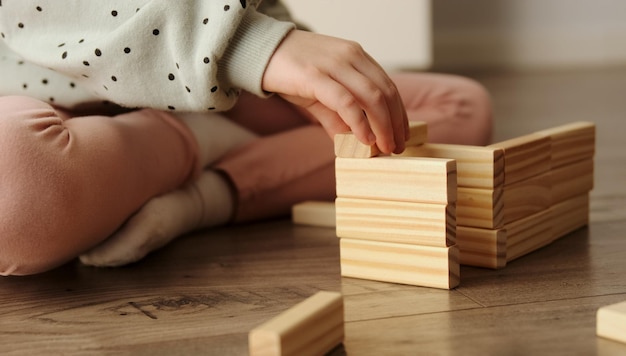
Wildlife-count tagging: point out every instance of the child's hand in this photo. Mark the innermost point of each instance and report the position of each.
(341, 86)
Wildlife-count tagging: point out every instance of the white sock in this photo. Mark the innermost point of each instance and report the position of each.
(204, 203)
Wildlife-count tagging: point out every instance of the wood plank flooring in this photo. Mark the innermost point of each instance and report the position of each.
(203, 294)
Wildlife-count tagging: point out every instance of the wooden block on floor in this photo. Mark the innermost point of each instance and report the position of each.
(569, 215)
(312, 327)
(425, 180)
(392, 221)
(611, 322)
(418, 132)
(477, 167)
(348, 146)
(527, 197)
(528, 234)
(482, 247)
(571, 142)
(480, 208)
(314, 213)
(426, 266)
(571, 180)
(525, 157)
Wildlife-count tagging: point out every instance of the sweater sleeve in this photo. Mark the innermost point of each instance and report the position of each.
(190, 55)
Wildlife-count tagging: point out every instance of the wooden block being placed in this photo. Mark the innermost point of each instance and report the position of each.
(314, 213)
(425, 180)
(418, 132)
(529, 234)
(348, 146)
(392, 221)
(527, 197)
(482, 247)
(611, 322)
(525, 157)
(572, 142)
(312, 327)
(426, 266)
(569, 215)
(477, 167)
(571, 180)
(479, 208)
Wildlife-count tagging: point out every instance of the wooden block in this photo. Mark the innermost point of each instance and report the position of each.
(527, 197)
(571, 180)
(572, 142)
(400, 222)
(314, 213)
(480, 208)
(347, 145)
(477, 167)
(426, 266)
(418, 132)
(482, 247)
(425, 180)
(569, 215)
(312, 327)
(525, 157)
(611, 322)
(528, 234)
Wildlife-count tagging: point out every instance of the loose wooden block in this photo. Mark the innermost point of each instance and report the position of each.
(418, 132)
(425, 180)
(347, 145)
(482, 208)
(569, 215)
(571, 180)
(611, 322)
(314, 213)
(525, 157)
(482, 247)
(426, 266)
(400, 222)
(477, 167)
(527, 197)
(312, 327)
(528, 234)
(571, 142)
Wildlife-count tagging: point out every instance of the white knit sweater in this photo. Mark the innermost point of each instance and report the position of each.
(184, 55)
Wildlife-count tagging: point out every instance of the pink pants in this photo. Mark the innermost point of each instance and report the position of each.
(68, 182)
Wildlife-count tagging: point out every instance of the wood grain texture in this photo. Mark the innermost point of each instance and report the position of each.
(526, 197)
(570, 215)
(418, 133)
(425, 180)
(400, 222)
(611, 322)
(528, 234)
(482, 208)
(312, 327)
(314, 213)
(427, 266)
(571, 142)
(482, 247)
(571, 180)
(348, 146)
(477, 167)
(525, 157)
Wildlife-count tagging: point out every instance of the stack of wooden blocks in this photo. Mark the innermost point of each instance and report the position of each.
(521, 194)
(395, 215)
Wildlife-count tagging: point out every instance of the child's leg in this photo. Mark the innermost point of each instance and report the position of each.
(68, 184)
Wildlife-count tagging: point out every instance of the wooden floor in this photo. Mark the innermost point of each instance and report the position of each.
(202, 294)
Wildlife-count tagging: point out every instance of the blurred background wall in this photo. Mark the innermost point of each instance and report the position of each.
(461, 35)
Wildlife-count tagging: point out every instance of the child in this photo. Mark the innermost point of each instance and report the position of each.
(82, 173)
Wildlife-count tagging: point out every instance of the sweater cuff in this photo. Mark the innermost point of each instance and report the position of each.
(250, 50)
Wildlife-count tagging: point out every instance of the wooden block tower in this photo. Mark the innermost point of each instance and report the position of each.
(396, 216)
